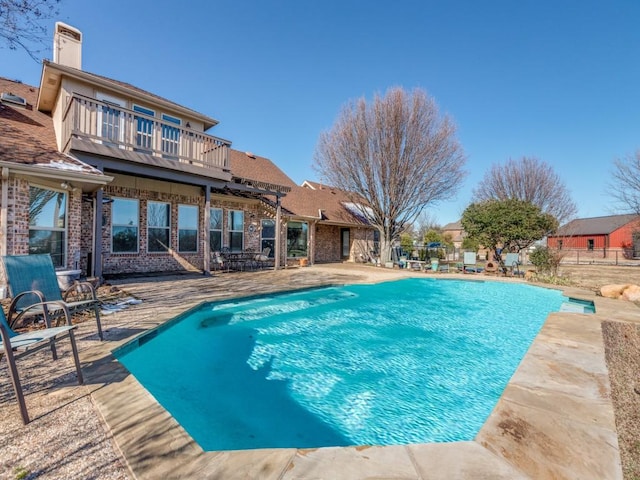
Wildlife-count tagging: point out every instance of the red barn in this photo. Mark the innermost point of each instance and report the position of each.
(602, 236)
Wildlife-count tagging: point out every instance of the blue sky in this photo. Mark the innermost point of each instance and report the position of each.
(555, 80)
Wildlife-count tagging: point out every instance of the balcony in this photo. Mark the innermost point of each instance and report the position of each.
(123, 130)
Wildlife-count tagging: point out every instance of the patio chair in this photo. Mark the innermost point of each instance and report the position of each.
(218, 262)
(31, 279)
(15, 346)
(262, 258)
(512, 261)
(470, 264)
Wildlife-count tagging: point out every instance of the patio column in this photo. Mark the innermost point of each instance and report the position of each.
(312, 242)
(206, 270)
(276, 254)
(97, 235)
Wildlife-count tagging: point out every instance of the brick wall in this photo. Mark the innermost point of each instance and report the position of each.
(18, 217)
(144, 261)
(327, 244)
(86, 235)
(74, 229)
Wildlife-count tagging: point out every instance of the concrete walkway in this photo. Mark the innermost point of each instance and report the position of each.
(554, 420)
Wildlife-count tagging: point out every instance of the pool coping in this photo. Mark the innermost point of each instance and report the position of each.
(554, 420)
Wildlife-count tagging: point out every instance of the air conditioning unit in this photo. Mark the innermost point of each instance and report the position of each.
(13, 99)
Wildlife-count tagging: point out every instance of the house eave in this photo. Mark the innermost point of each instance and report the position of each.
(86, 181)
(51, 78)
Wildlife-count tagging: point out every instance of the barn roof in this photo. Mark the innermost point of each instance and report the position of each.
(596, 225)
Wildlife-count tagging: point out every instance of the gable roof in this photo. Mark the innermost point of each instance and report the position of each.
(326, 204)
(453, 226)
(51, 73)
(249, 166)
(28, 137)
(595, 225)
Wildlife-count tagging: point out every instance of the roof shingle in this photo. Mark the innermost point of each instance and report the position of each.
(28, 135)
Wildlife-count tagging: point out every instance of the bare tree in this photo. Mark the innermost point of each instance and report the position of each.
(530, 180)
(21, 23)
(424, 223)
(393, 157)
(625, 187)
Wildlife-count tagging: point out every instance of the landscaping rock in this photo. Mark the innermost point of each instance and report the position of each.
(613, 291)
(632, 293)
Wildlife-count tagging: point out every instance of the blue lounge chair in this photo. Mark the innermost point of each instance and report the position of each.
(470, 264)
(32, 280)
(15, 346)
(512, 262)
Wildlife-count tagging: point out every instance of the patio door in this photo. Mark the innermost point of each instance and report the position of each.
(345, 243)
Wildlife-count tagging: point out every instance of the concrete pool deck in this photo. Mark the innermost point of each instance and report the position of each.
(554, 420)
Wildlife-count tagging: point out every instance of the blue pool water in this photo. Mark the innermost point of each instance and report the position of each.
(411, 361)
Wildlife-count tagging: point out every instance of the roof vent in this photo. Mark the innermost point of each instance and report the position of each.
(13, 99)
(250, 155)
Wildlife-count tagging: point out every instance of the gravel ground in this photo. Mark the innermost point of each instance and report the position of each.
(622, 352)
(68, 439)
(622, 349)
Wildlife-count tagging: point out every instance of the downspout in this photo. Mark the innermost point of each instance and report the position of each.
(4, 215)
(276, 254)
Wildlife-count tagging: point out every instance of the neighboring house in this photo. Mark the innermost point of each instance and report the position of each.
(109, 178)
(606, 235)
(455, 230)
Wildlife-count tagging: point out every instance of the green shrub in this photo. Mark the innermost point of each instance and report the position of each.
(546, 260)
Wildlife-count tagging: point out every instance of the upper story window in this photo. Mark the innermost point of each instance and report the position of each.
(144, 129)
(48, 223)
(187, 228)
(124, 225)
(171, 137)
(111, 118)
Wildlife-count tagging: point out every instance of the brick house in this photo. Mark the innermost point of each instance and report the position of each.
(322, 224)
(455, 230)
(109, 178)
(608, 235)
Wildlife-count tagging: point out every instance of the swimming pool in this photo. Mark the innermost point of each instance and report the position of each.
(411, 361)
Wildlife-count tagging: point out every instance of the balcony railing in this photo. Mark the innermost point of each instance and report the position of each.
(118, 127)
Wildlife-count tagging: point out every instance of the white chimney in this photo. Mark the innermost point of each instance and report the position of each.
(67, 46)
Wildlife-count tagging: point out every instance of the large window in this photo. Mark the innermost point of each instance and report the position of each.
(215, 229)
(144, 129)
(48, 223)
(187, 228)
(268, 236)
(124, 225)
(170, 137)
(158, 227)
(297, 233)
(236, 230)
